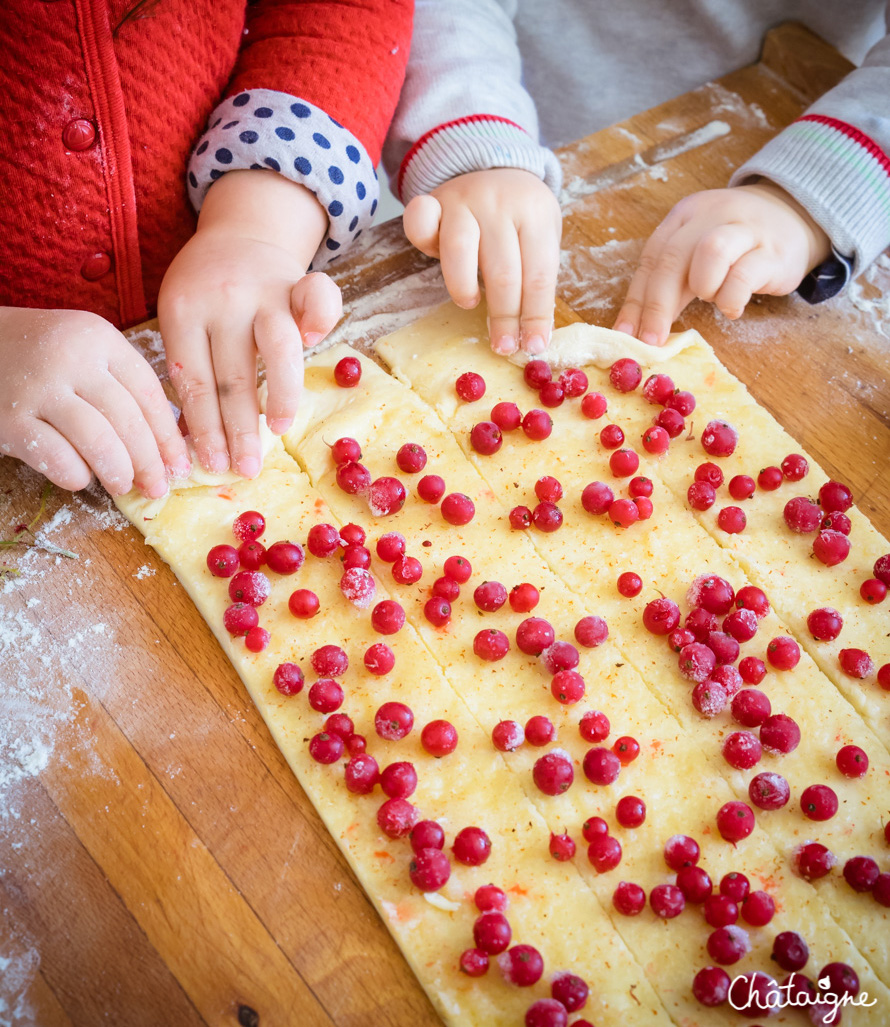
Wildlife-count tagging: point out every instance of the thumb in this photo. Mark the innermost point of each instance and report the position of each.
(317, 306)
(421, 223)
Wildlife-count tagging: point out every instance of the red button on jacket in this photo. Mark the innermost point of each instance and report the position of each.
(79, 134)
(148, 83)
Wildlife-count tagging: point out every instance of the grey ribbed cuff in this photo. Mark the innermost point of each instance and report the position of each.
(474, 144)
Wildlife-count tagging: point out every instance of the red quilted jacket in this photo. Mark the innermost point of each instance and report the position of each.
(99, 113)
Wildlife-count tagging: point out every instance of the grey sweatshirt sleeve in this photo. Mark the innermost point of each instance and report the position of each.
(835, 161)
(463, 107)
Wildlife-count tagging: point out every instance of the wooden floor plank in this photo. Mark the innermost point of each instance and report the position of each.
(96, 964)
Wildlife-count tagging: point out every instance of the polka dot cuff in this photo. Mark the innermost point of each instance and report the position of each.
(263, 129)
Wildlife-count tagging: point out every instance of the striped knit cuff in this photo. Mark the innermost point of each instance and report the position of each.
(263, 129)
(839, 175)
(475, 143)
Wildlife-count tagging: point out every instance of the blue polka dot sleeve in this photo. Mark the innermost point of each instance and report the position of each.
(263, 129)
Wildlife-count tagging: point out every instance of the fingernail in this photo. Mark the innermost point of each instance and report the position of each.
(249, 467)
(311, 339)
(535, 344)
(181, 469)
(280, 425)
(625, 326)
(218, 463)
(505, 345)
(650, 338)
(157, 490)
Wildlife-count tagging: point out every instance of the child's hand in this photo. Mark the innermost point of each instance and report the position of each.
(722, 245)
(76, 397)
(239, 289)
(506, 223)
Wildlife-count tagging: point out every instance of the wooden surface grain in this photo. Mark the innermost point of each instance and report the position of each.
(158, 861)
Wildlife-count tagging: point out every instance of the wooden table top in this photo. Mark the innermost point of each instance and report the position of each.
(159, 863)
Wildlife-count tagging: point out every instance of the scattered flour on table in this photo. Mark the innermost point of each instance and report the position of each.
(151, 346)
(17, 971)
(389, 308)
(145, 571)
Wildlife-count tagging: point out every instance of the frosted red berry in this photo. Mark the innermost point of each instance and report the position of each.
(597, 498)
(325, 695)
(852, 761)
(769, 478)
(710, 986)
(695, 884)
(470, 386)
(856, 663)
(387, 617)
(390, 546)
(667, 901)
(625, 374)
(604, 853)
(399, 780)
(534, 635)
(346, 450)
(591, 631)
(551, 394)
(457, 509)
(873, 591)
(623, 513)
(323, 540)
(601, 766)
(491, 645)
(537, 425)
(325, 748)
(239, 618)
(629, 899)
(396, 817)
(758, 908)
(431, 488)
(570, 990)
(594, 726)
(330, 661)
(562, 847)
(446, 588)
(356, 556)
(488, 897)
(520, 518)
(682, 401)
(573, 382)
(779, 734)
(407, 570)
(507, 735)
(818, 802)
(523, 598)
(486, 438)
(362, 774)
(658, 389)
(251, 555)
(720, 910)
(257, 639)
(288, 679)
(727, 945)
(732, 520)
(348, 372)
(546, 1012)
(411, 458)
(825, 624)
(680, 850)
(701, 495)
(472, 847)
(709, 698)
(429, 870)
(353, 535)
(223, 561)
(439, 738)
(547, 517)
(459, 568)
(612, 436)
(831, 547)
(741, 487)
(437, 611)
(630, 585)
(537, 373)
(790, 951)
(672, 422)
(735, 821)
(303, 603)
(802, 515)
(813, 861)
(719, 439)
(751, 707)
(783, 653)
(661, 616)
(340, 724)
(656, 440)
(492, 932)
(624, 463)
(640, 487)
(353, 478)
(835, 496)
(553, 773)
(251, 587)
(696, 662)
(567, 687)
(521, 965)
(742, 750)
(386, 496)
(594, 405)
(249, 525)
(393, 721)
(630, 811)
(506, 416)
(861, 873)
(539, 730)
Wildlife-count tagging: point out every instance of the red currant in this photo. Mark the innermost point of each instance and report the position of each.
(470, 386)
(348, 372)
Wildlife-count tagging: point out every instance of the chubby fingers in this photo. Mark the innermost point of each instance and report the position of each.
(459, 238)
(44, 448)
(94, 438)
(234, 367)
(539, 249)
(279, 344)
(500, 259)
(421, 224)
(140, 381)
(190, 365)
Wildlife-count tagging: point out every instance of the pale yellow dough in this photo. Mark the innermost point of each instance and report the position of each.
(639, 969)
